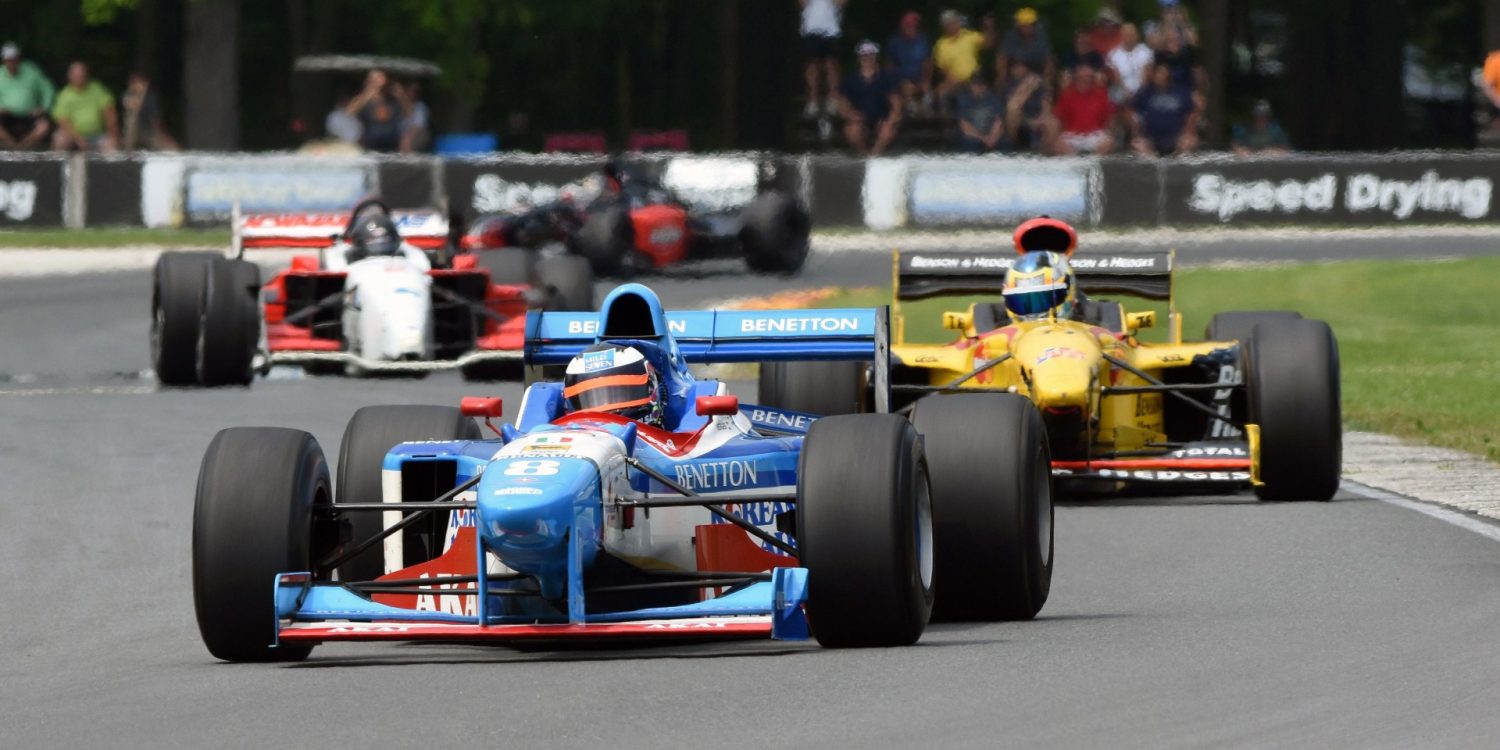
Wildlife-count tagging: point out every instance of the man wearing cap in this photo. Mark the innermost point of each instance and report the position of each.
(25, 97)
(85, 114)
(871, 103)
(910, 57)
(956, 53)
(1263, 136)
(1026, 42)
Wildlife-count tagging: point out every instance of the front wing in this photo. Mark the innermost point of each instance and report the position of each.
(316, 612)
(1214, 462)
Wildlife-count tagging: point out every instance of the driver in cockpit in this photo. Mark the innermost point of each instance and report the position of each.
(617, 379)
(374, 235)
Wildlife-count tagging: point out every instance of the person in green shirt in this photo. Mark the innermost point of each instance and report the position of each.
(25, 97)
(85, 114)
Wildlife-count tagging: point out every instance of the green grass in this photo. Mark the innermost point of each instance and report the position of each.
(1419, 342)
(216, 237)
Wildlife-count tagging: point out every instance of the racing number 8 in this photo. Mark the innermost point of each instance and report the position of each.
(531, 468)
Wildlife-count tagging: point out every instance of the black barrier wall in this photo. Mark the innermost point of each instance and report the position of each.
(31, 191)
(911, 192)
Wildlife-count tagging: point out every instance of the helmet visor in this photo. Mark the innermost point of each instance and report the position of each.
(617, 393)
(1032, 301)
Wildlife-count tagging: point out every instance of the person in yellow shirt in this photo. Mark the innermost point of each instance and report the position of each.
(956, 53)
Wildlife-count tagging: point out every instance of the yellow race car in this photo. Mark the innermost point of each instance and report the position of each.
(1255, 403)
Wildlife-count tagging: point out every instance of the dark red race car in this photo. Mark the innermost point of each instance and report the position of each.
(626, 223)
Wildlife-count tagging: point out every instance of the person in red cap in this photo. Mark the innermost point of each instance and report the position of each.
(909, 55)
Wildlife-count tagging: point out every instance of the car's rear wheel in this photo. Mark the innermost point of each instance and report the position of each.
(607, 241)
(774, 233)
(230, 323)
(1293, 394)
(864, 531)
(821, 388)
(371, 433)
(991, 476)
(569, 282)
(252, 519)
(1235, 326)
(176, 312)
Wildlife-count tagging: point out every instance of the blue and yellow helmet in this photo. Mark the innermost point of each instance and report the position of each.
(1039, 284)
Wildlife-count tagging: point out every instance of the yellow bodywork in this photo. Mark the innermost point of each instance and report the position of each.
(1061, 365)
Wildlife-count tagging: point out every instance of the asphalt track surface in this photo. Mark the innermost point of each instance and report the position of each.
(1173, 621)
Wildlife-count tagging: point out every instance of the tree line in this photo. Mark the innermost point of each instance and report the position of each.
(726, 71)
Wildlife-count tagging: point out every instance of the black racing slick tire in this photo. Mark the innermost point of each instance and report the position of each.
(774, 233)
(230, 323)
(371, 433)
(821, 388)
(864, 531)
(508, 265)
(1235, 326)
(1293, 394)
(176, 312)
(607, 241)
(253, 518)
(991, 476)
(569, 282)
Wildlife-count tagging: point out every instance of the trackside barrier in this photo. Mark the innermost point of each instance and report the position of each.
(902, 192)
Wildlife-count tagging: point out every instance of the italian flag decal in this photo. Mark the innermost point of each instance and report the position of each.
(552, 440)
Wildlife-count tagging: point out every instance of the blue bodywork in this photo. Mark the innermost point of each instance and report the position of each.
(544, 515)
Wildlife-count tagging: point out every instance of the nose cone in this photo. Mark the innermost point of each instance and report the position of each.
(1062, 363)
(527, 507)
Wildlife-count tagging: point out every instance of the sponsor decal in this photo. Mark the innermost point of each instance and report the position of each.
(212, 190)
(1215, 195)
(590, 327)
(692, 625)
(453, 604)
(514, 491)
(593, 361)
(715, 475)
(17, 199)
(773, 418)
(370, 629)
(997, 192)
(665, 236)
(1211, 451)
(1146, 407)
(951, 263)
(1160, 475)
(799, 325)
(1057, 352)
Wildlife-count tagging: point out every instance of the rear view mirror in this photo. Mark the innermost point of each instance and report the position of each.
(956, 321)
(488, 407)
(1138, 320)
(718, 406)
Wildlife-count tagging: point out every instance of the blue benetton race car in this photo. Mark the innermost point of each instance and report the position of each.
(720, 520)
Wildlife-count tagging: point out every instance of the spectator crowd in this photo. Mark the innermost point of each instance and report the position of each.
(84, 115)
(1119, 87)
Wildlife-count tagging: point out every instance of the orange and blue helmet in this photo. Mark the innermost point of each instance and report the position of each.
(1039, 284)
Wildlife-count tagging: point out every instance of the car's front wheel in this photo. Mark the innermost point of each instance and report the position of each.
(253, 518)
(864, 531)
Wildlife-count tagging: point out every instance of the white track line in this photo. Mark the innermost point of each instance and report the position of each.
(1457, 518)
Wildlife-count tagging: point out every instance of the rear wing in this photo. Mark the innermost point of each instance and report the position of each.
(425, 229)
(1146, 275)
(736, 336)
(1141, 274)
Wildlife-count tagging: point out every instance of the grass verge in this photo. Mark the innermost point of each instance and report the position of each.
(214, 237)
(1419, 341)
